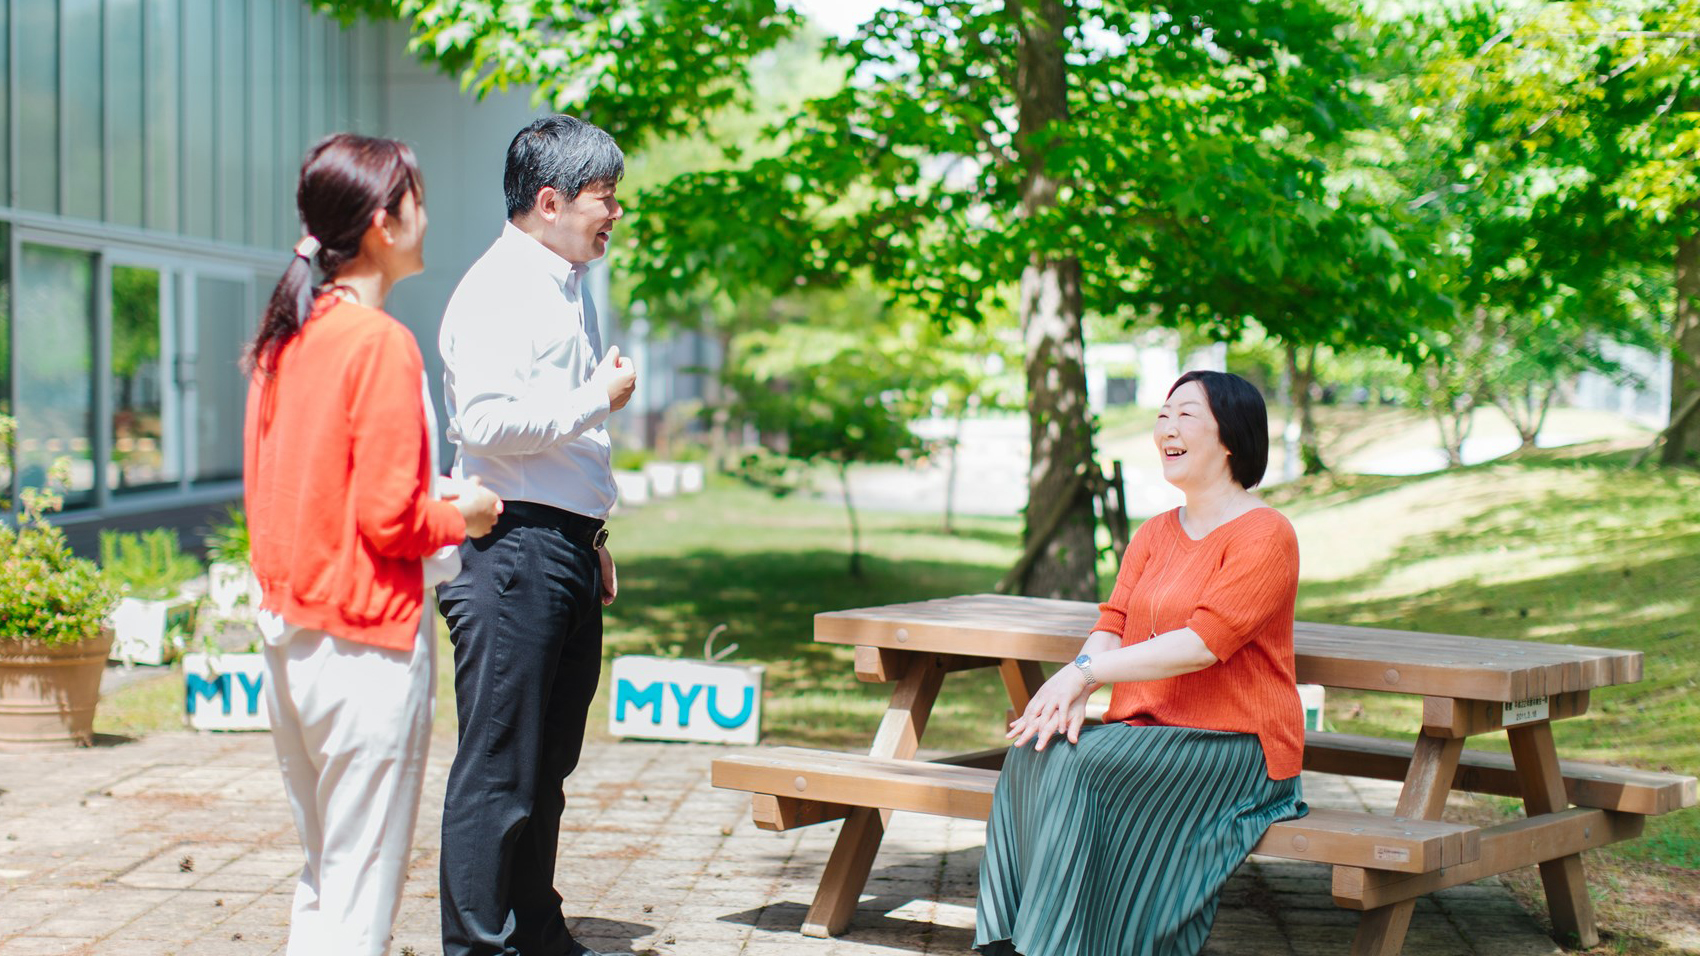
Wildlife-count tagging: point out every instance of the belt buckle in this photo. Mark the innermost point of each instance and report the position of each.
(599, 539)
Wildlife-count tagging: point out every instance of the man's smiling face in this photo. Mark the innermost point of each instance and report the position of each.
(585, 223)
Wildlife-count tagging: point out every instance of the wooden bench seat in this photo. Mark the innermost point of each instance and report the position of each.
(804, 787)
(1597, 785)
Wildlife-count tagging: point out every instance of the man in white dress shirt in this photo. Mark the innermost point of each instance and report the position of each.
(528, 387)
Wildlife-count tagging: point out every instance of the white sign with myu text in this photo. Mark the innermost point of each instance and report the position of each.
(225, 691)
(662, 698)
(1524, 711)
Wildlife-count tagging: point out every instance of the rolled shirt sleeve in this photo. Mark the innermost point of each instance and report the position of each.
(1257, 579)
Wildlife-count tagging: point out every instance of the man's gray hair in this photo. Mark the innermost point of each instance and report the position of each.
(560, 151)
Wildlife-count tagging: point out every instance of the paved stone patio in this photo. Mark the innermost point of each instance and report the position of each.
(181, 843)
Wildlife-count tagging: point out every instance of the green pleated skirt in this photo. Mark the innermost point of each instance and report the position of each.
(1120, 845)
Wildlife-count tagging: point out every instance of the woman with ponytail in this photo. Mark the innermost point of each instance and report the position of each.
(349, 535)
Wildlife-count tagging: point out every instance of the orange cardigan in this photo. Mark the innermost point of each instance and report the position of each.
(1236, 589)
(337, 476)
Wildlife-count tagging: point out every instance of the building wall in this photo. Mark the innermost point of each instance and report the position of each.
(148, 158)
(148, 154)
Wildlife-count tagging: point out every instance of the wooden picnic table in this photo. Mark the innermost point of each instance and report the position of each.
(1469, 686)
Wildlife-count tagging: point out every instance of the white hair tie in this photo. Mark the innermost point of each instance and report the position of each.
(307, 248)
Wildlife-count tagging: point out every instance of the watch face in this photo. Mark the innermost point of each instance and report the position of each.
(1082, 661)
(601, 538)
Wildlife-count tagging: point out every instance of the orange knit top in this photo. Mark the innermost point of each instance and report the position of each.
(1235, 588)
(337, 473)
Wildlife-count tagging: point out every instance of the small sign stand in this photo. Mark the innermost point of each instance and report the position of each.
(707, 701)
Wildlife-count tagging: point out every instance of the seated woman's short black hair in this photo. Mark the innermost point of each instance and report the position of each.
(1242, 421)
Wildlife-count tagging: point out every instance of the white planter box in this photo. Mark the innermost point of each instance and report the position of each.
(1311, 698)
(663, 478)
(691, 477)
(150, 632)
(225, 691)
(230, 584)
(664, 698)
(633, 487)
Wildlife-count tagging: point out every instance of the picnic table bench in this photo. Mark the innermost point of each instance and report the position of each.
(1381, 862)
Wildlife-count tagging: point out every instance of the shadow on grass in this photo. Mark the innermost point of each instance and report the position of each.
(767, 600)
(1002, 537)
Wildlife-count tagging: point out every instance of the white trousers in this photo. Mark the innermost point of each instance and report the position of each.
(352, 725)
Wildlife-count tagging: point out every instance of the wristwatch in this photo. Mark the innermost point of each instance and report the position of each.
(1084, 662)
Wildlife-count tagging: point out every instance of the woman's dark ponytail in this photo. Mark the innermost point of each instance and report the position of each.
(344, 180)
(288, 307)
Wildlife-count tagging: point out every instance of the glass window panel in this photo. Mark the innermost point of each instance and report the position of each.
(55, 384)
(222, 329)
(84, 185)
(199, 119)
(233, 116)
(38, 105)
(161, 35)
(144, 407)
(125, 107)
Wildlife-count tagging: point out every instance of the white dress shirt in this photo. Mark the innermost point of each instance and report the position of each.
(519, 343)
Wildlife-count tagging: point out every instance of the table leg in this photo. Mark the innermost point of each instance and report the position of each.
(1536, 759)
(1022, 679)
(1381, 931)
(852, 857)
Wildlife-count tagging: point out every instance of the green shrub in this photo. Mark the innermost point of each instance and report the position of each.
(150, 566)
(690, 451)
(47, 594)
(631, 459)
(228, 542)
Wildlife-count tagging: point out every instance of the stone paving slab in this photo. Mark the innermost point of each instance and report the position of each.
(182, 844)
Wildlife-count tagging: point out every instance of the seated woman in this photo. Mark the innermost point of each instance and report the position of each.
(1116, 840)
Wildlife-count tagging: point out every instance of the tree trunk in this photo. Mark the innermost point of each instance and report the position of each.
(1682, 446)
(955, 444)
(1290, 432)
(855, 529)
(720, 442)
(1453, 406)
(1528, 411)
(1059, 421)
(1310, 446)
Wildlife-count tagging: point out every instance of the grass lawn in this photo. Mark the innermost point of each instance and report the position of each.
(1561, 546)
(764, 566)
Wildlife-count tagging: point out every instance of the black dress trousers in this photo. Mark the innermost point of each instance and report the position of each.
(525, 617)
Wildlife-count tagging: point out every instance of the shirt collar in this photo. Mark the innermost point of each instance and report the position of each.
(568, 275)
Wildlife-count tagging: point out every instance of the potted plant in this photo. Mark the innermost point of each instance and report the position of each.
(692, 471)
(630, 478)
(230, 580)
(663, 478)
(154, 616)
(53, 634)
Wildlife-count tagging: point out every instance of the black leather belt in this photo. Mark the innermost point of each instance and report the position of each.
(588, 531)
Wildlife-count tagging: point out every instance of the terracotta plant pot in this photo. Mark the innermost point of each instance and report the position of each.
(48, 694)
